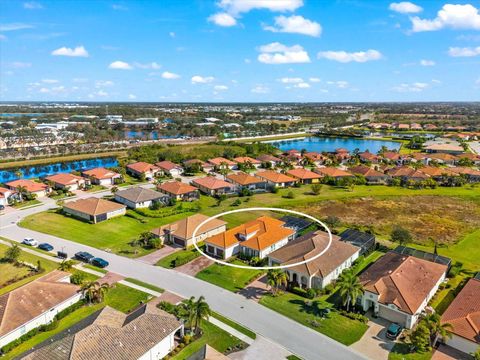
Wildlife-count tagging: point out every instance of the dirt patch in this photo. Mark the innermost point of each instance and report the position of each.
(426, 217)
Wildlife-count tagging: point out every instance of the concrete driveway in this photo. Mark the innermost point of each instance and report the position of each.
(195, 266)
(155, 256)
(256, 289)
(374, 344)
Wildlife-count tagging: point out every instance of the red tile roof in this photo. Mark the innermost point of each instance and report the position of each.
(218, 161)
(100, 173)
(331, 171)
(275, 177)
(176, 188)
(245, 159)
(304, 174)
(142, 167)
(64, 179)
(167, 165)
(211, 183)
(243, 179)
(29, 185)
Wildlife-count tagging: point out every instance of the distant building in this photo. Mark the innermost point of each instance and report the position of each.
(114, 117)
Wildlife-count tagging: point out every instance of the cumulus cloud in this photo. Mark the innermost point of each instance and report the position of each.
(152, 65)
(314, 79)
(277, 53)
(132, 96)
(236, 7)
(15, 26)
(424, 62)
(302, 85)
(341, 84)
(50, 81)
(451, 16)
(32, 5)
(405, 7)
(287, 80)
(295, 24)
(220, 87)
(345, 57)
(412, 87)
(103, 83)
(260, 89)
(78, 51)
(464, 52)
(170, 75)
(198, 79)
(223, 19)
(120, 65)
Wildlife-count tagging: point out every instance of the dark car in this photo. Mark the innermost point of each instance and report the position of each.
(45, 246)
(99, 262)
(84, 256)
(393, 331)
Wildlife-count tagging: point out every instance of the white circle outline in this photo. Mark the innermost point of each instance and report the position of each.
(261, 267)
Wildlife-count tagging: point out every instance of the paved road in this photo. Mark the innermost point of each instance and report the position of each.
(298, 339)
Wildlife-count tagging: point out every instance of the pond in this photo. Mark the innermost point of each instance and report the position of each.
(134, 134)
(55, 168)
(329, 144)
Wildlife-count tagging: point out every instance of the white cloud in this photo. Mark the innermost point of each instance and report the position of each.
(49, 81)
(170, 75)
(302, 85)
(295, 24)
(152, 65)
(78, 51)
(32, 5)
(450, 16)
(341, 84)
(314, 79)
(197, 79)
(260, 89)
(412, 87)
(44, 90)
(103, 83)
(79, 80)
(101, 93)
(277, 53)
(464, 52)
(424, 62)
(220, 87)
(132, 96)
(15, 26)
(223, 19)
(20, 65)
(120, 65)
(287, 80)
(405, 7)
(171, 34)
(345, 57)
(236, 7)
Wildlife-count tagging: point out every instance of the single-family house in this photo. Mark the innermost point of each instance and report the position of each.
(66, 181)
(275, 179)
(220, 163)
(94, 209)
(321, 271)
(367, 156)
(440, 158)
(139, 197)
(147, 333)
(392, 156)
(5, 195)
(333, 172)
(398, 287)
(448, 148)
(471, 174)
(272, 160)
(342, 155)
(256, 238)
(406, 173)
(314, 157)
(247, 160)
(463, 314)
(170, 168)
(181, 232)
(213, 186)
(101, 176)
(142, 168)
(474, 158)
(304, 176)
(243, 180)
(198, 165)
(371, 175)
(34, 304)
(179, 190)
(30, 187)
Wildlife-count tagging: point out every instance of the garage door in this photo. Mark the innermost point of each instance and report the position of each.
(392, 315)
(179, 241)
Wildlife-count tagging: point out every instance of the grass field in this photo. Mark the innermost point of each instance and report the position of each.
(400, 352)
(125, 298)
(234, 325)
(298, 309)
(168, 261)
(145, 285)
(228, 277)
(26, 203)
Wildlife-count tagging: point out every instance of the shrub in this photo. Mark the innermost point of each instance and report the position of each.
(182, 260)
(187, 339)
(328, 289)
(77, 277)
(354, 316)
(311, 293)
(168, 307)
(290, 195)
(237, 202)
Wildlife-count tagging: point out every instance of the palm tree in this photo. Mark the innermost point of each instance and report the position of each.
(195, 312)
(114, 189)
(349, 287)
(275, 279)
(437, 328)
(94, 292)
(22, 190)
(66, 265)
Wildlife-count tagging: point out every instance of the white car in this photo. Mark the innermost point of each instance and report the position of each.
(30, 242)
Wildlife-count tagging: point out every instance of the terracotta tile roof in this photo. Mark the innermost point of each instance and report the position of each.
(341, 151)
(331, 171)
(436, 171)
(402, 280)
(268, 232)
(139, 194)
(465, 170)
(310, 245)
(93, 206)
(464, 312)
(100, 173)
(112, 335)
(218, 161)
(444, 147)
(366, 171)
(243, 179)
(184, 228)
(29, 185)
(419, 156)
(211, 183)
(470, 156)
(266, 157)
(244, 159)
(314, 156)
(443, 157)
(408, 172)
(3, 191)
(275, 177)
(196, 161)
(65, 179)
(142, 167)
(167, 165)
(176, 188)
(391, 155)
(368, 156)
(25, 303)
(304, 174)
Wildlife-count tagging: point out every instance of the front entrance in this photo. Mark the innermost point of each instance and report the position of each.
(178, 241)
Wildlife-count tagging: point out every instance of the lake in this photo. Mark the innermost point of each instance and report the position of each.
(329, 144)
(55, 168)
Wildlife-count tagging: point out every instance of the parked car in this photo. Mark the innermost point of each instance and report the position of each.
(45, 246)
(393, 331)
(84, 256)
(30, 242)
(100, 262)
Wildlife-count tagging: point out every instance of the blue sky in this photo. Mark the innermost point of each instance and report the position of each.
(240, 50)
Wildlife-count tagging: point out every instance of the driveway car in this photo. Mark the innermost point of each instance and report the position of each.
(393, 331)
(45, 246)
(99, 262)
(30, 242)
(84, 256)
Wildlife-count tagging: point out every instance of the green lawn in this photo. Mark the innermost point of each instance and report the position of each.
(443, 298)
(400, 352)
(234, 325)
(168, 261)
(26, 203)
(95, 268)
(217, 338)
(336, 326)
(145, 285)
(228, 277)
(125, 298)
(96, 188)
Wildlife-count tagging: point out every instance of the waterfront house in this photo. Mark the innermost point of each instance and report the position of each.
(66, 181)
(30, 187)
(372, 176)
(142, 168)
(179, 190)
(368, 157)
(170, 168)
(94, 209)
(101, 176)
